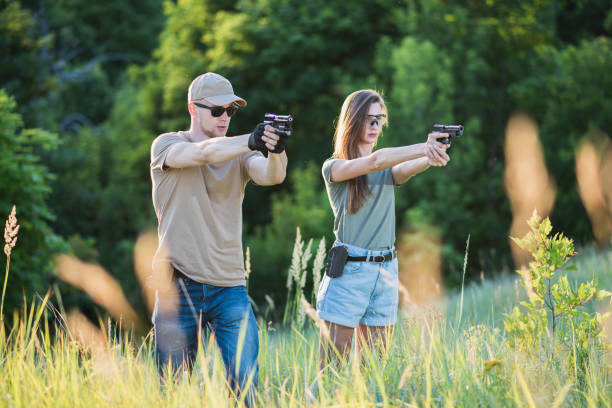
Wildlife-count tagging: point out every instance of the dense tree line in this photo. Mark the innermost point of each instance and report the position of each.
(103, 80)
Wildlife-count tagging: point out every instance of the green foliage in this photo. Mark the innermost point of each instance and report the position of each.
(423, 88)
(127, 31)
(79, 170)
(454, 65)
(423, 93)
(570, 92)
(552, 299)
(64, 62)
(476, 64)
(305, 206)
(23, 73)
(435, 61)
(25, 182)
(108, 77)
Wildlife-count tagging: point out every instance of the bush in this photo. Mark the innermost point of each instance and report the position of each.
(553, 303)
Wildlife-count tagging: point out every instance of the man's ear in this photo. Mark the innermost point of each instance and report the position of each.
(192, 109)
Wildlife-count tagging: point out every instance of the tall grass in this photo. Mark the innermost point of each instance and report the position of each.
(431, 363)
(297, 277)
(51, 358)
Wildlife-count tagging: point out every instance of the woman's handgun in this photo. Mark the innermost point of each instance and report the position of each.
(452, 130)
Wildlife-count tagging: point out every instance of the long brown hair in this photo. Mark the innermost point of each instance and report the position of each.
(350, 129)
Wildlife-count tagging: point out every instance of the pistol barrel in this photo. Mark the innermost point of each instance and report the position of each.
(452, 130)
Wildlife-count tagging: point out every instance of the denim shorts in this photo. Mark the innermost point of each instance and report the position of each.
(366, 293)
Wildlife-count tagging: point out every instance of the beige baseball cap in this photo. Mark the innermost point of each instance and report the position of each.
(215, 89)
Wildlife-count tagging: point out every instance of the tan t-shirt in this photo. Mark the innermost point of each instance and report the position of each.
(199, 210)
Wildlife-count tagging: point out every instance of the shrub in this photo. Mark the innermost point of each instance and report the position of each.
(554, 308)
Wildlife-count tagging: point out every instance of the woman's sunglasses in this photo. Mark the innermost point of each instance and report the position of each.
(374, 119)
(217, 111)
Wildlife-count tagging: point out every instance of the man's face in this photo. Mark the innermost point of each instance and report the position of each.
(210, 125)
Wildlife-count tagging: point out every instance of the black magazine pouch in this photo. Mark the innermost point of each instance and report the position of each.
(336, 259)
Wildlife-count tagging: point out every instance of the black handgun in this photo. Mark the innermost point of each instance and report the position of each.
(452, 130)
(284, 123)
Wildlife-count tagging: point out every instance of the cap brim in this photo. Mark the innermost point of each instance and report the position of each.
(221, 100)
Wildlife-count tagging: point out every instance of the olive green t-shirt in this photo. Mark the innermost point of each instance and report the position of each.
(199, 211)
(373, 226)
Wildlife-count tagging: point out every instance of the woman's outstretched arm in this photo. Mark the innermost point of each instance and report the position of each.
(434, 156)
(406, 170)
(389, 157)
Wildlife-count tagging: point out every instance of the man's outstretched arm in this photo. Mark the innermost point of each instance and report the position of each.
(270, 171)
(273, 169)
(221, 149)
(209, 151)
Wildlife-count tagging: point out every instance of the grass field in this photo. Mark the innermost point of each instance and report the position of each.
(438, 357)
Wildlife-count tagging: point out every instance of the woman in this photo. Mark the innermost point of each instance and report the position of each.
(360, 185)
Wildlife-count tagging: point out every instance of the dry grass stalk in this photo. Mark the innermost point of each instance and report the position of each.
(99, 285)
(11, 229)
(605, 172)
(85, 333)
(318, 265)
(405, 375)
(144, 250)
(420, 267)
(247, 262)
(10, 238)
(92, 339)
(312, 313)
(524, 272)
(528, 184)
(270, 302)
(406, 299)
(592, 185)
(294, 269)
(304, 265)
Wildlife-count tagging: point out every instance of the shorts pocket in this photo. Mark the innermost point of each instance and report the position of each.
(352, 267)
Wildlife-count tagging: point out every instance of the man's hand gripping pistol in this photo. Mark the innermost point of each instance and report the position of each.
(283, 127)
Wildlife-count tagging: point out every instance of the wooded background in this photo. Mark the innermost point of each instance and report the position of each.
(86, 87)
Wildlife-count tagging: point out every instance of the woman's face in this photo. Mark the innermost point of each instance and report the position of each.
(374, 123)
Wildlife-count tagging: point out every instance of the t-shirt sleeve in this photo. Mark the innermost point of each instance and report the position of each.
(244, 163)
(326, 170)
(159, 150)
(388, 177)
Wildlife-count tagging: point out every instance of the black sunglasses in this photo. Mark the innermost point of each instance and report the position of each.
(217, 111)
(375, 118)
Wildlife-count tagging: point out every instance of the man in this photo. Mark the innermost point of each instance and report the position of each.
(198, 180)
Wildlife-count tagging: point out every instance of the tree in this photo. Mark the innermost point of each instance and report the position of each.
(466, 63)
(22, 71)
(571, 92)
(24, 182)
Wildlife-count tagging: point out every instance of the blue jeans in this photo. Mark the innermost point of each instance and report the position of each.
(179, 319)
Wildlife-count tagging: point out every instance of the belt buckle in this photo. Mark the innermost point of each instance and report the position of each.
(379, 258)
